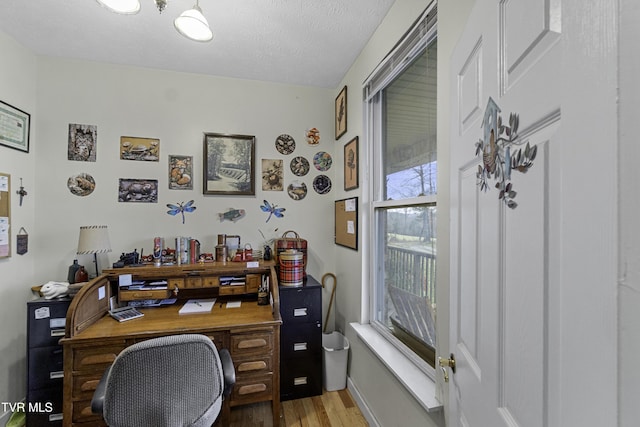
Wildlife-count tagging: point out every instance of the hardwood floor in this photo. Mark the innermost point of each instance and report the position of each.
(331, 409)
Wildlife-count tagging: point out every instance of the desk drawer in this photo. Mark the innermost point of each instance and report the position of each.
(85, 385)
(251, 366)
(82, 414)
(251, 390)
(98, 358)
(142, 294)
(251, 343)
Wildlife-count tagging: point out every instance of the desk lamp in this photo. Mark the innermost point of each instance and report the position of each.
(93, 239)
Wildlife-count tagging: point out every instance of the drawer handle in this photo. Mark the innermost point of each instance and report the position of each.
(142, 295)
(300, 346)
(252, 388)
(257, 342)
(300, 381)
(57, 332)
(89, 385)
(98, 359)
(55, 417)
(252, 366)
(298, 312)
(56, 374)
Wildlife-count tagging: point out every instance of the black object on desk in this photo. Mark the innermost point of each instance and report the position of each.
(301, 340)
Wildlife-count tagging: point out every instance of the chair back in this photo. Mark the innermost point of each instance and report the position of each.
(175, 380)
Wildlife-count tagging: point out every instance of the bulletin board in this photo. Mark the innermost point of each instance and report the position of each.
(5, 215)
(346, 222)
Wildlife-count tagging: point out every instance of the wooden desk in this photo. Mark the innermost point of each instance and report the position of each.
(93, 339)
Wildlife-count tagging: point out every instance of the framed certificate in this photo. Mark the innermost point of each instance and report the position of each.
(14, 127)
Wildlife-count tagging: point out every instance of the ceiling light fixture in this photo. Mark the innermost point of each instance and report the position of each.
(191, 23)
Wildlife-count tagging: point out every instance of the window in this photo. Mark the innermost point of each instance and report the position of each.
(400, 105)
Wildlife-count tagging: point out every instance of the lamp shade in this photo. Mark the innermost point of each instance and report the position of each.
(93, 239)
(193, 25)
(124, 7)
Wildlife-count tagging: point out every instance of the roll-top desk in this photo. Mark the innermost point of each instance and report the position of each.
(251, 332)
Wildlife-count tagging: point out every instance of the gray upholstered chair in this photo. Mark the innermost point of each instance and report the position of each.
(177, 380)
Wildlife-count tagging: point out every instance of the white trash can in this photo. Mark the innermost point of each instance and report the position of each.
(335, 353)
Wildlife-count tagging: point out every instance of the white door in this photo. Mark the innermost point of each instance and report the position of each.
(527, 280)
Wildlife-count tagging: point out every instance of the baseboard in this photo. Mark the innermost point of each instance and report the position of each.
(364, 408)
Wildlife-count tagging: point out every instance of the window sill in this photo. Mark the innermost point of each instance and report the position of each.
(420, 385)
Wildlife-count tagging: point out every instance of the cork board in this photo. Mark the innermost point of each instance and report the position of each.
(346, 222)
(5, 215)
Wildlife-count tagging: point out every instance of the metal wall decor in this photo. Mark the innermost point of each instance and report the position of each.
(495, 150)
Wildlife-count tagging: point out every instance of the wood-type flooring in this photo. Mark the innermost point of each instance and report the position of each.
(331, 409)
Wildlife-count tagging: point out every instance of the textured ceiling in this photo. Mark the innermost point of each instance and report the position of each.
(303, 42)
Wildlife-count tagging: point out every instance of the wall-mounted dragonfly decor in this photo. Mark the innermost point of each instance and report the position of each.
(500, 154)
(181, 208)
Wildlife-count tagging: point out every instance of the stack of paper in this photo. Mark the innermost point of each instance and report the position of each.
(197, 306)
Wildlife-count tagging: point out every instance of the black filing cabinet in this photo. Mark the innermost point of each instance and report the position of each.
(45, 371)
(301, 340)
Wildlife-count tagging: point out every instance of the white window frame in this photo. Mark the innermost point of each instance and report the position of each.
(411, 370)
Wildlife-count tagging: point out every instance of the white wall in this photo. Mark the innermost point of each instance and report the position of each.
(388, 400)
(176, 108)
(18, 88)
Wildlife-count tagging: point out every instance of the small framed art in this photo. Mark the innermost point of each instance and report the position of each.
(341, 113)
(14, 127)
(351, 165)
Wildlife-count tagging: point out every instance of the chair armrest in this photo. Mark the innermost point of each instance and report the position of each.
(228, 371)
(97, 401)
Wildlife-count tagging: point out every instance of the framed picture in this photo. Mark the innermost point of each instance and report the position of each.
(351, 165)
(142, 149)
(341, 113)
(229, 164)
(180, 172)
(132, 190)
(83, 142)
(15, 125)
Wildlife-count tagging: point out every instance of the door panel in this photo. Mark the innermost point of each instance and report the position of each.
(499, 260)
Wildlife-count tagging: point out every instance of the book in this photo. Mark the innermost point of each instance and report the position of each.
(197, 306)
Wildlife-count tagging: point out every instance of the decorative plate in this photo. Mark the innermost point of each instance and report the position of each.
(81, 184)
(322, 161)
(297, 190)
(299, 166)
(285, 144)
(322, 184)
(313, 136)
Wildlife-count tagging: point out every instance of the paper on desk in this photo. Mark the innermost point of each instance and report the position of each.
(197, 306)
(234, 304)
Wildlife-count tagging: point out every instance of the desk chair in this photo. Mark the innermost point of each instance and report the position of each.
(176, 380)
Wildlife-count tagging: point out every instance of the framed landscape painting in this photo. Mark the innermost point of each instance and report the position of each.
(229, 164)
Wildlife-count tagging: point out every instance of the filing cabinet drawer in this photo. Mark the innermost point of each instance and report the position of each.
(46, 368)
(300, 305)
(46, 407)
(251, 343)
(303, 378)
(301, 341)
(46, 322)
